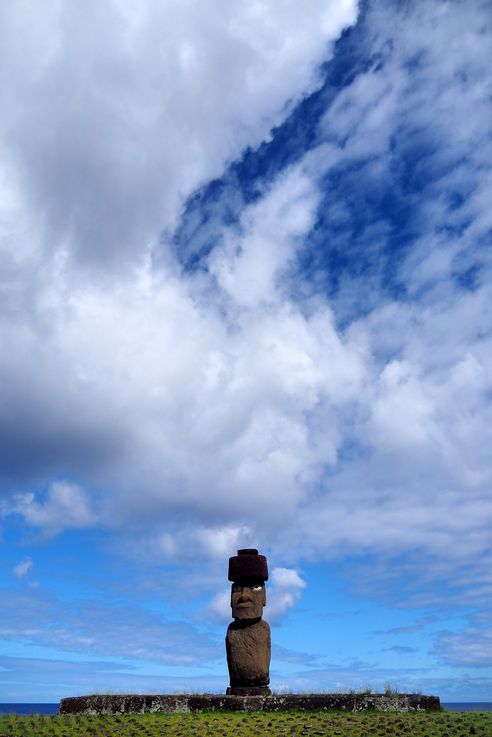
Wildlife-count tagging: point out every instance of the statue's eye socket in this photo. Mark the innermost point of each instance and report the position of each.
(237, 588)
(256, 588)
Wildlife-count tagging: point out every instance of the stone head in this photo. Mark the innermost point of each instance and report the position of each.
(248, 599)
(248, 572)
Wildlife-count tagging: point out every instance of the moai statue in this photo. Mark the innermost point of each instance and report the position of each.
(248, 637)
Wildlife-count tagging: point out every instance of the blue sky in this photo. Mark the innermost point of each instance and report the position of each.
(245, 301)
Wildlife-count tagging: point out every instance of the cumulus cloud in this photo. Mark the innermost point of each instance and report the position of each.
(339, 416)
(209, 420)
(101, 372)
(417, 472)
(286, 591)
(249, 263)
(113, 114)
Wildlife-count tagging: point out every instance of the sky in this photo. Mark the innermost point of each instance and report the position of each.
(245, 301)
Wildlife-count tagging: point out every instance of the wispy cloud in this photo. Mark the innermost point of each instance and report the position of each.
(22, 569)
(54, 679)
(419, 625)
(401, 649)
(471, 647)
(102, 629)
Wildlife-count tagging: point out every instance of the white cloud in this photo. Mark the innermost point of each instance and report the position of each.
(472, 647)
(134, 380)
(204, 405)
(403, 411)
(185, 541)
(284, 593)
(65, 507)
(23, 569)
(249, 265)
(220, 607)
(418, 472)
(162, 393)
(218, 542)
(112, 114)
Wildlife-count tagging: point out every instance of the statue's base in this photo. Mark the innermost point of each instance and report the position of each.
(124, 704)
(248, 691)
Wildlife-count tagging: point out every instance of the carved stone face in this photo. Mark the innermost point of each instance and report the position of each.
(247, 600)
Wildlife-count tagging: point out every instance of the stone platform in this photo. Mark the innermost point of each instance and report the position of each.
(127, 703)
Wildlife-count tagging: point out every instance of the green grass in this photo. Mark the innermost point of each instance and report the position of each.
(253, 724)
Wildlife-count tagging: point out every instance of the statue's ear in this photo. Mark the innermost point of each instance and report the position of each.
(264, 596)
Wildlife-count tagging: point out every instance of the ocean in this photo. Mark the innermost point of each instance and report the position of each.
(50, 709)
(467, 706)
(29, 708)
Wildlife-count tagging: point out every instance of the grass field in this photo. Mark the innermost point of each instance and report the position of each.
(283, 724)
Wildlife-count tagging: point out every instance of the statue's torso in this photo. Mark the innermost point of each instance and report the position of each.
(248, 653)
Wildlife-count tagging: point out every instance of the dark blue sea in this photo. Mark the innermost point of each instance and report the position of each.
(53, 708)
(468, 706)
(28, 708)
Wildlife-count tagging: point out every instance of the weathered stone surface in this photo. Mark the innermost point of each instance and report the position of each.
(248, 642)
(115, 704)
(247, 600)
(248, 691)
(247, 564)
(248, 653)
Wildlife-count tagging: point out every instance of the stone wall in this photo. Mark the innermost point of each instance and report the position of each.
(122, 704)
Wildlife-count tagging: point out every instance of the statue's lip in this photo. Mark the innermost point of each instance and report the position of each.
(244, 603)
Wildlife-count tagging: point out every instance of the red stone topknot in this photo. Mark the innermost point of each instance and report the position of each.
(248, 565)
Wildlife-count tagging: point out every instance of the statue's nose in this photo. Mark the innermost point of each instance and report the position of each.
(246, 594)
